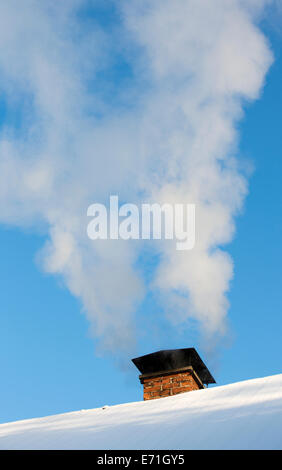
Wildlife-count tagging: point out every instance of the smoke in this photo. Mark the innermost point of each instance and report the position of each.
(145, 107)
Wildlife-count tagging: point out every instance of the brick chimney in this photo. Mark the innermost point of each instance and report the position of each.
(173, 371)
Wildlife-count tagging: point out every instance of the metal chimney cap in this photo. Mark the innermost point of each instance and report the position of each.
(172, 359)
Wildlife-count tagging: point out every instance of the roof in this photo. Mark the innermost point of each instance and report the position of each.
(173, 359)
(243, 415)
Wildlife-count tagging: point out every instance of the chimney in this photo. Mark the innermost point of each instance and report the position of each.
(173, 371)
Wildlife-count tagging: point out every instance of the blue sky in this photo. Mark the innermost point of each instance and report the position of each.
(50, 356)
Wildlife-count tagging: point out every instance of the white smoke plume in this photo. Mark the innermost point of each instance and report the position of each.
(165, 129)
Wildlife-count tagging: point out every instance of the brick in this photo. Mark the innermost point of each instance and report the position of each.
(172, 384)
(167, 386)
(147, 396)
(164, 393)
(154, 389)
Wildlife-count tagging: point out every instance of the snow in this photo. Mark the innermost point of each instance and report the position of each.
(243, 415)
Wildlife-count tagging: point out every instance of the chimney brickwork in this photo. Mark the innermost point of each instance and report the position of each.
(172, 371)
(168, 385)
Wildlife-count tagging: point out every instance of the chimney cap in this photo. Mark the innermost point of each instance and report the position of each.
(171, 359)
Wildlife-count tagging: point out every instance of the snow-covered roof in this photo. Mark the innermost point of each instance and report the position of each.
(243, 415)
